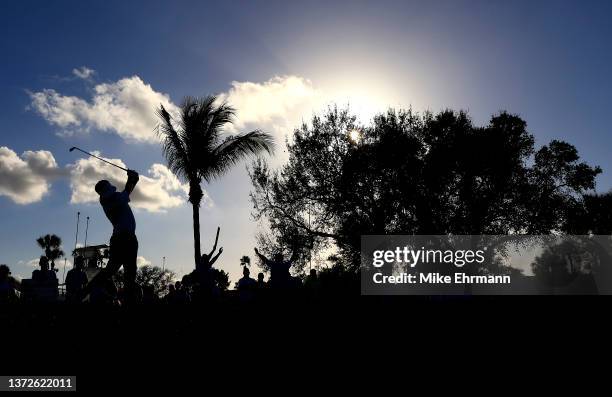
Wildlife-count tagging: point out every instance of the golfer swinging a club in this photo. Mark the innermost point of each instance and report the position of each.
(123, 243)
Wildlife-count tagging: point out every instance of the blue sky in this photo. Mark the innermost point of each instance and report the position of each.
(86, 73)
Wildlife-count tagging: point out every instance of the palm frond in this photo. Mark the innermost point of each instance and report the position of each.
(193, 146)
(223, 114)
(172, 145)
(235, 148)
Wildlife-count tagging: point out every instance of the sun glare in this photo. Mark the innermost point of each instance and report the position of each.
(354, 135)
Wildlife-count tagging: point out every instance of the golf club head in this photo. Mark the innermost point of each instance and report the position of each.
(72, 148)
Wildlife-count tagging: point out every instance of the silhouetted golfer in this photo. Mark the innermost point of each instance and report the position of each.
(123, 243)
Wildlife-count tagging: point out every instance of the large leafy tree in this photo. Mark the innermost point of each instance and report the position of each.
(196, 150)
(52, 245)
(593, 215)
(157, 278)
(416, 174)
(150, 276)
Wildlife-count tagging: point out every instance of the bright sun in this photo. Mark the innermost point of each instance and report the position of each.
(354, 135)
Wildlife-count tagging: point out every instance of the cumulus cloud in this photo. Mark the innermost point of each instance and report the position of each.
(26, 179)
(23, 269)
(142, 261)
(125, 107)
(83, 72)
(156, 192)
(32, 263)
(278, 105)
(283, 103)
(35, 263)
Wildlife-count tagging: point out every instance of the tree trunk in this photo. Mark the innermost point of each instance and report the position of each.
(195, 198)
(196, 232)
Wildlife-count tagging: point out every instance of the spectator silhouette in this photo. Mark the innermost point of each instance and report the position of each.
(182, 292)
(260, 281)
(43, 285)
(148, 295)
(123, 243)
(171, 295)
(76, 280)
(8, 290)
(280, 278)
(312, 284)
(207, 260)
(261, 287)
(246, 286)
(190, 283)
(204, 277)
(43, 275)
(103, 292)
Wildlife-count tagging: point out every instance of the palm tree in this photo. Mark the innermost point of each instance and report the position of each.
(52, 245)
(195, 150)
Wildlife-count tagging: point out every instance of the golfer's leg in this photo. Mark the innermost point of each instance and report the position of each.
(106, 273)
(111, 268)
(129, 266)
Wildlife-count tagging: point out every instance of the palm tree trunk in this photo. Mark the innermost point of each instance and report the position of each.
(196, 232)
(195, 198)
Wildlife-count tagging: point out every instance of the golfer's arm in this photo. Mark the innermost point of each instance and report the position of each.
(130, 184)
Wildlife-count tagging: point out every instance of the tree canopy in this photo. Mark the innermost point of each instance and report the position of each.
(52, 245)
(410, 173)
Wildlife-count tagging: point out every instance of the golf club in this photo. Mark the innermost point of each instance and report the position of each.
(92, 155)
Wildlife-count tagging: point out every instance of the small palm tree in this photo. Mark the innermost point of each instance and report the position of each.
(245, 261)
(195, 150)
(52, 245)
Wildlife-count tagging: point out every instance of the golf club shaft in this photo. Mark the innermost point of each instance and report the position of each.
(99, 158)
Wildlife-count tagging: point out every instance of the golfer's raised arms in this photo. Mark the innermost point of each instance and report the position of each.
(133, 179)
(116, 204)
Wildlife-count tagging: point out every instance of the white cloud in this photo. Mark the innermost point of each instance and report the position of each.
(277, 106)
(282, 103)
(83, 72)
(142, 261)
(35, 263)
(125, 107)
(156, 192)
(32, 263)
(23, 269)
(26, 179)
